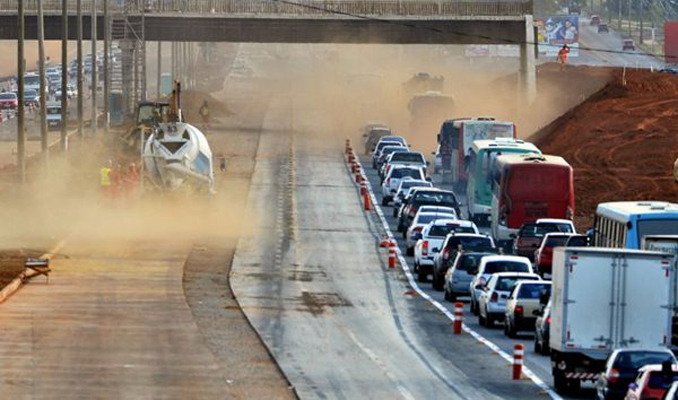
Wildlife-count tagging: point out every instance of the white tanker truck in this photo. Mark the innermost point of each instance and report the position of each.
(176, 155)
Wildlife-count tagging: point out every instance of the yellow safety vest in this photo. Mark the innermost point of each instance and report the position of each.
(105, 178)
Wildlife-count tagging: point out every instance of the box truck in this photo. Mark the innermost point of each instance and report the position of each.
(606, 299)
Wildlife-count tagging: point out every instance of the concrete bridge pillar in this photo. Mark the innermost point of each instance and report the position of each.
(528, 72)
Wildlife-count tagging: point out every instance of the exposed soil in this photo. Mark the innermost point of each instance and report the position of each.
(12, 263)
(622, 142)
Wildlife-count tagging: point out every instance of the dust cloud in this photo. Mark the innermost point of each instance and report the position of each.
(333, 90)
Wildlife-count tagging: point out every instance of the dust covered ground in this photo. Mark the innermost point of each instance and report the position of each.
(621, 142)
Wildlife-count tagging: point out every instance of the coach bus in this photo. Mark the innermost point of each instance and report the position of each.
(623, 224)
(527, 187)
(457, 135)
(481, 158)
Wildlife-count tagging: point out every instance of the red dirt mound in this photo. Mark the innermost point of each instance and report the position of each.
(622, 142)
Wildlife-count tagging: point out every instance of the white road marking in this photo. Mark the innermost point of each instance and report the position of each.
(449, 314)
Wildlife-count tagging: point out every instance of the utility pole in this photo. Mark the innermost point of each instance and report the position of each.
(81, 93)
(93, 75)
(107, 87)
(628, 13)
(64, 75)
(21, 130)
(619, 24)
(641, 18)
(43, 89)
(159, 75)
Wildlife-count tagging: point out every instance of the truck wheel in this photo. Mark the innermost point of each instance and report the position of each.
(510, 330)
(537, 347)
(384, 201)
(560, 382)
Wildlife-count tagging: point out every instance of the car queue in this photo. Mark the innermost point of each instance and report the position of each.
(529, 214)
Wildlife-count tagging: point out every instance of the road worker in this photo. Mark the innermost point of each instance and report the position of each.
(105, 178)
(205, 115)
(562, 56)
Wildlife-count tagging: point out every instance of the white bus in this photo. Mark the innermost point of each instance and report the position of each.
(623, 224)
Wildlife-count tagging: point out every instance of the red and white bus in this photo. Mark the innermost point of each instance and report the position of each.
(526, 187)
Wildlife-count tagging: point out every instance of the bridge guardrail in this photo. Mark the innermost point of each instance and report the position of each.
(301, 8)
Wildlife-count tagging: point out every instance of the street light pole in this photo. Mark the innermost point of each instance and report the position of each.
(21, 130)
(159, 74)
(43, 89)
(64, 74)
(81, 93)
(93, 74)
(107, 87)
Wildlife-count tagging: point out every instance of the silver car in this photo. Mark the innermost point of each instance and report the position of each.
(458, 278)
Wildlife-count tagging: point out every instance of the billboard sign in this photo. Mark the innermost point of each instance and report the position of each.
(553, 32)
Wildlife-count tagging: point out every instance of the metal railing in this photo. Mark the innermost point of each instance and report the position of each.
(314, 8)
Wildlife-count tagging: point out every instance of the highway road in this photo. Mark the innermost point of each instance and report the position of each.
(539, 364)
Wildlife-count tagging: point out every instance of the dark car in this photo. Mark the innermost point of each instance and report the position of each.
(595, 20)
(603, 28)
(542, 327)
(577, 241)
(628, 45)
(543, 257)
(426, 197)
(454, 243)
(622, 367)
(372, 133)
(530, 236)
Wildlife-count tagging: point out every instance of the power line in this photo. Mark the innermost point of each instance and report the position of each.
(447, 31)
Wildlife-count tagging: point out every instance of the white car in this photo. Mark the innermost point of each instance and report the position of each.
(431, 239)
(494, 264)
(422, 219)
(403, 189)
(392, 181)
(377, 150)
(495, 293)
(410, 158)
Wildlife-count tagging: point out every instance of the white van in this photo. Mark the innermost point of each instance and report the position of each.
(54, 116)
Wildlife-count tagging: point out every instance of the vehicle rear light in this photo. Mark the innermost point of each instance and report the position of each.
(424, 248)
(519, 311)
(388, 182)
(446, 254)
(494, 298)
(613, 375)
(548, 320)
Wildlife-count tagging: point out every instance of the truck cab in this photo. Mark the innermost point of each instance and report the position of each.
(53, 117)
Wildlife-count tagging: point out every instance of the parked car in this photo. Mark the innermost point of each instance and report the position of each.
(652, 381)
(523, 301)
(413, 233)
(492, 265)
(628, 45)
(392, 181)
(530, 235)
(371, 134)
(543, 256)
(603, 28)
(494, 295)
(595, 20)
(432, 238)
(459, 276)
(9, 101)
(453, 244)
(622, 367)
(403, 189)
(542, 328)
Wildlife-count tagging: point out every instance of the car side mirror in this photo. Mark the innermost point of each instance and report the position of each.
(633, 386)
(416, 236)
(512, 236)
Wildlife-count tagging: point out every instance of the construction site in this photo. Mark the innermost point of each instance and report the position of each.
(202, 221)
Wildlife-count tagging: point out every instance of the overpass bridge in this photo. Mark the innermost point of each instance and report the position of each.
(294, 21)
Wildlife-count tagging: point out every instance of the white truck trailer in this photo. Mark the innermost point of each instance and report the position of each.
(606, 299)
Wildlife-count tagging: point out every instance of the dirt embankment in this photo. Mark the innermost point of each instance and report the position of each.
(622, 142)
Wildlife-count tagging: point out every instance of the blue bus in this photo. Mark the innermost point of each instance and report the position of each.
(623, 224)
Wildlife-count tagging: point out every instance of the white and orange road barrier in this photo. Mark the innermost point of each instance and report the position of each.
(392, 254)
(458, 317)
(358, 174)
(366, 200)
(518, 357)
(385, 241)
(348, 145)
(363, 189)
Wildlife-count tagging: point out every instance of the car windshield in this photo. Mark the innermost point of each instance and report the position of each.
(435, 197)
(660, 380)
(54, 111)
(477, 243)
(534, 291)
(494, 267)
(392, 149)
(407, 184)
(411, 172)
(506, 283)
(426, 218)
(381, 145)
(555, 241)
(578, 241)
(409, 157)
(629, 361)
(7, 96)
(470, 261)
(443, 230)
(544, 228)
